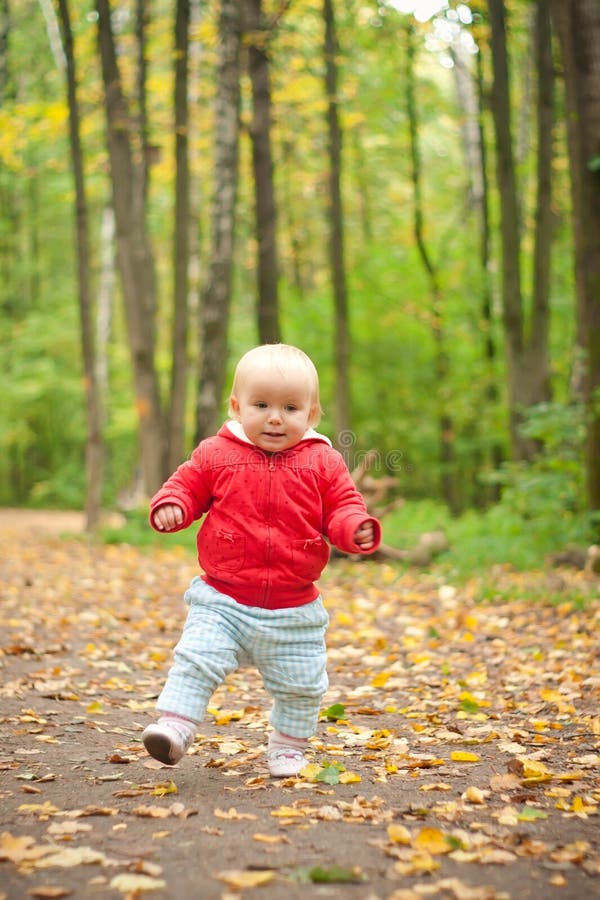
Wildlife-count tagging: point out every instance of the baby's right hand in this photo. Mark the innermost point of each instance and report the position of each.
(167, 517)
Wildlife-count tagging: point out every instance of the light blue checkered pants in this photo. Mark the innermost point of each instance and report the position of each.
(287, 646)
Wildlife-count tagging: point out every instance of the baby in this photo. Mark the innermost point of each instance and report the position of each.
(273, 489)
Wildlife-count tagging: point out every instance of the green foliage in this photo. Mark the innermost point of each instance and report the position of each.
(551, 485)
(396, 394)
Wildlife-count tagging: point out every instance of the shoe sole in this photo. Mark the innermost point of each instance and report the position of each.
(159, 747)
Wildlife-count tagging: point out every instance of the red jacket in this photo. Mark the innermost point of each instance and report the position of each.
(262, 540)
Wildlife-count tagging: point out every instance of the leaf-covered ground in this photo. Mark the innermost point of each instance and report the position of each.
(458, 754)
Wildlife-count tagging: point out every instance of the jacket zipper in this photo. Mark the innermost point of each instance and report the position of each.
(267, 582)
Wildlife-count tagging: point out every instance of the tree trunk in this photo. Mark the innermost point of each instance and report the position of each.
(134, 258)
(142, 16)
(5, 27)
(538, 352)
(577, 23)
(444, 419)
(181, 241)
(94, 455)
(262, 162)
(216, 295)
(492, 390)
(512, 303)
(526, 348)
(336, 231)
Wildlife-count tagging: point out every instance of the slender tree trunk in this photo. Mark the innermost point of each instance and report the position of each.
(577, 23)
(134, 257)
(492, 391)
(336, 233)
(106, 284)
(537, 344)
(264, 190)
(142, 18)
(512, 302)
(526, 348)
(181, 240)
(293, 227)
(94, 442)
(217, 290)
(445, 424)
(5, 27)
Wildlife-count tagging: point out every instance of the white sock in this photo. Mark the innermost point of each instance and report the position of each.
(188, 724)
(277, 740)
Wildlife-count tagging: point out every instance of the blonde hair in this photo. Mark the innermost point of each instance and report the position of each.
(283, 360)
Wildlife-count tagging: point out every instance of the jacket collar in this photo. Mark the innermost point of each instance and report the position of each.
(231, 427)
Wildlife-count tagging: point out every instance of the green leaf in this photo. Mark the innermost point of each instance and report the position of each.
(329, 774)
(470, 706)
(334, 875)
(529, 814)
(337, 711)
(594, 164)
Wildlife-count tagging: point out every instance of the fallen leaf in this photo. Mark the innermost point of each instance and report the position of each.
(232, 813)
(239, 879)
(133, 885)
(49, 892)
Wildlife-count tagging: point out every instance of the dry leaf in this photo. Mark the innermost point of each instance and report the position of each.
(232, 813)
(239, 879)
(49, 892)
(136, 884)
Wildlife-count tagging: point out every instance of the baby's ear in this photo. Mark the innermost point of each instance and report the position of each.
(234, 407)
(314, 415)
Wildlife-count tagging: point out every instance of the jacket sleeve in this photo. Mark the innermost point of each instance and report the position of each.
(189, 487)
(344, 511)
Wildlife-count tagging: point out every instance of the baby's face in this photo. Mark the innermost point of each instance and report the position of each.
(275, 411)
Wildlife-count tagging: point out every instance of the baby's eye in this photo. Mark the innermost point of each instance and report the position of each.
(261, 405)
(290, 408)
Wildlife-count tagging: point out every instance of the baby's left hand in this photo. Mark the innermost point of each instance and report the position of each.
(365, 536)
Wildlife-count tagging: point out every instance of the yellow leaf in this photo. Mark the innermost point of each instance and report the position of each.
(463, 756)
(398, 834)
(432, 840)
(287, 812)
(151, 812)
(232, 813)
(349, 778)
(419, 864)
(237, 880)
(474, 795)
(535, 772)
(95, 707)
(49, 892)
(41, 809)
(161, 790)
(310, 771)
(73, 856)
(270, 838)
(132, 885)
(18, 849)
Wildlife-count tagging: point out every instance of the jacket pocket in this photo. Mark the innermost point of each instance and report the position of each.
(310, 557)
(223, 551)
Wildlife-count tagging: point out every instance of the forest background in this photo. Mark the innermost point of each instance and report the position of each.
(411, 194)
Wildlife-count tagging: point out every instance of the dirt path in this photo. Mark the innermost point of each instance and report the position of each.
(464, 762)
